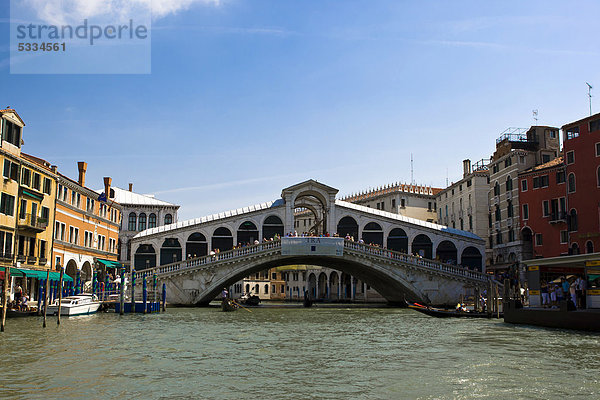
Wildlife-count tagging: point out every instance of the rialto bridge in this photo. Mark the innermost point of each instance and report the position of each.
(401, 257)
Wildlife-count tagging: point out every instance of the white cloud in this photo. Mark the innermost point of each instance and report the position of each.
(59, 12)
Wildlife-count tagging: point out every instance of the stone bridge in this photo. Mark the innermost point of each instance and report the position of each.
(396, 276)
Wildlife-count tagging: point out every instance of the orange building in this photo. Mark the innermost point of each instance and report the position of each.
(86, 230)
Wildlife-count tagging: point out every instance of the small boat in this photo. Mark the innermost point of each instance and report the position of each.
(250, 300)
(13, 313)
(81, 304)
(441, 313)
(228, 305)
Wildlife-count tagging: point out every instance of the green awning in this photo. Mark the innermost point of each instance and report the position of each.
(108, 263)
(13, 272)
(41, 275)
(35, 196)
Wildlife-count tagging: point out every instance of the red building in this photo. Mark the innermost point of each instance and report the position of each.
(581, 149)
(542, 196)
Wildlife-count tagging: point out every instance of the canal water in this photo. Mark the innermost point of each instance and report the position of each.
(293, 353)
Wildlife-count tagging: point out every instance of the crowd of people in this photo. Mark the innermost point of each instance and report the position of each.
(572, 289)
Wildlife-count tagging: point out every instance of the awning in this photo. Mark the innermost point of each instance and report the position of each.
(109, 263)
(13, 272)
(41, 275)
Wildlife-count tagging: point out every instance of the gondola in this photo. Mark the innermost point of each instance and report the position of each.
(12, 313)
(441, 313)
(228, 305)
(250, 300)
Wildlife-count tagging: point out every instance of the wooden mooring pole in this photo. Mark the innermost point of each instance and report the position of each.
(122, 293)
(60, 291)
(5, 296)
(46, 290)
(132, 290)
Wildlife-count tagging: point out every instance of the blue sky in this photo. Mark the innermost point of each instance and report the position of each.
(248, 97)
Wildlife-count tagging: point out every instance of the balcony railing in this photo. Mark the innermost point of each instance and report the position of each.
(33, 222)
(6, 255)
(560, 216)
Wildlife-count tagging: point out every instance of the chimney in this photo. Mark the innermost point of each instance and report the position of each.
(82, 168)
(53, 168)
(107, 182)
(131, 187)
(466, 167)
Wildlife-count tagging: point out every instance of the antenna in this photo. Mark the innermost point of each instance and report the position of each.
(412, 181)
(590, 87)
(446, 176)
(535, 114)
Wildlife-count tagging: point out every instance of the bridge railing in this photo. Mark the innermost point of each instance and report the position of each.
(193, 263)
(410, 259)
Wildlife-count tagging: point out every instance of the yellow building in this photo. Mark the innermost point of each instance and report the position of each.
(86, 230)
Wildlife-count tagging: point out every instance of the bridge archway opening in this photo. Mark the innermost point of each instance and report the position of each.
(422, 246)
(247, 233)
(71, 269)
(222, 239)
(170, 251)
(373, 234)
(472, 259)
(316, 203)
(312, 286)
(144, 257)
(334, 280)
(348, 227)
(196, 245)
(447, 253)
(273, 226)
(323, 289)
(398, 240)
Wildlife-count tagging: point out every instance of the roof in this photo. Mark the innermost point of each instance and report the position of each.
(394, 188)
(125, 197)
(211, 218)
(40, 162)
(558, 161)
(581, 120)
(398, 217)
(10, 110)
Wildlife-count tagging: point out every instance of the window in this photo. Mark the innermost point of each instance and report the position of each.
(572, 221)
(470, 222)
(507, 162)
(101, 242)
(544, 181)
(525, 211)
(47, 186)
(509, 209)
(570, 157)
(560, 177)
(552, 134)
(11, 170)
(37, 181)
(42, 252)
(89, 205)
(266, 289)
(489, 220)
(509, 184)
(598, 177)
(497, 189)
(73, 198)
(6, 241)
(26, 177)
(73, 235)
(45, 214)
(274, 275)
(495, 169)
(469, 183)
(498, 237)
(169, 219)
(393, 203)
(403, 202)
(88, 239)
(152, 221)
(142, 222)
(132, 221)
(545, 158)
(597, 149)
(572, 132)
(595, 125)
(429, 206)
(524, 185)
(383, 205)
(571, 184)
(11, 133)
(461, 224)
(564, 236)
(23, 209)
(545, 208)
(460, 188)
(498, 214)
(31, 252)
(7, 204)
(539, 241)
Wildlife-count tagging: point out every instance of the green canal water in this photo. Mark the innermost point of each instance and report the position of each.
(293, 353)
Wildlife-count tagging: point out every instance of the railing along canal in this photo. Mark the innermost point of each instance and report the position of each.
(207, 261)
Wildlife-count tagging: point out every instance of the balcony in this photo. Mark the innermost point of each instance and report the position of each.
(31, 259)
(558, 217)
(6, 255)
(43, 261)
(33, 223)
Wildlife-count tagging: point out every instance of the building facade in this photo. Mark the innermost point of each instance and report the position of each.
(141, 212)
(581, 149)
(516, 151)
(543, 216)
(86, 230)
(464, 204)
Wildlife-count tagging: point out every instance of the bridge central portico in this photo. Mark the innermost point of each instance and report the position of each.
(237, 243)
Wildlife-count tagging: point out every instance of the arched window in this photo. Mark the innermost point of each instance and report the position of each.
(142, 222)
(508, 184)
(267, 289)
(152, 221)
(571, 183)
(168, 219)
(497, 189)
(589, 247)
(572, 220)
(132, 221)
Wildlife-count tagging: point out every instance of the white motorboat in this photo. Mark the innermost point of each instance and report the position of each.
(76, 305)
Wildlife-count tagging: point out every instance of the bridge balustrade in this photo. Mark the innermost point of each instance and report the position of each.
(207, 261)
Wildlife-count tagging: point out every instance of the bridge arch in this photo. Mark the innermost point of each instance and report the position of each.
(446, 252)
(196, 245)
(397, 240)
(347, 226)
(170, 251)
(247, 233)
(334, 280)
(372, 233)
(422, 246)
(272, 226)
(144, 257)
(222, 239)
